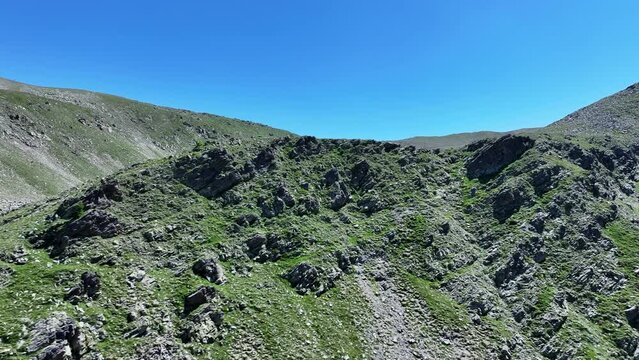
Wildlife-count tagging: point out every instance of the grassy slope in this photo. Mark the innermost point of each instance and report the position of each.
(53, 139)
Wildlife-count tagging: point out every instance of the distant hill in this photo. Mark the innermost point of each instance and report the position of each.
(617, 114)
(450, 141)
(53, 139)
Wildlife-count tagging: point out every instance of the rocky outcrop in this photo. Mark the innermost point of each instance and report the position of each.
(88, 288)
(99, 197)
(339, 196)
(265, 159)
(308, 206)
(306, 278)
(210, 174)
(496, 155)
(509, 200)
(276, 205)
(271, 247)
(205, 327)
(514, 267)
(94, 223)
(304, 147)
(371, 203)
(362, 176)
(55, 338)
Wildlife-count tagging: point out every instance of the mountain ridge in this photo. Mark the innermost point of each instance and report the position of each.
(57, 138)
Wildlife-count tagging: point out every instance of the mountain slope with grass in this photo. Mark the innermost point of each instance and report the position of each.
(52, 139)
(517, 247)
(453, 141)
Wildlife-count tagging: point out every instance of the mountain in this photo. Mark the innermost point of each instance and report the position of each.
(53, 139)
(517, 247)
(454, 140)
(615, 115)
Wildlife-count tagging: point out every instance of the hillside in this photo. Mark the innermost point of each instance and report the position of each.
(517, 247)
(520, 247)
(616, 115)
(53, 139)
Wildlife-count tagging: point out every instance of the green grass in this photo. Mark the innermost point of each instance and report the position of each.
(441, 306)
(544, 300)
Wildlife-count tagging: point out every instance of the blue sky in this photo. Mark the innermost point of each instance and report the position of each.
(366, 69)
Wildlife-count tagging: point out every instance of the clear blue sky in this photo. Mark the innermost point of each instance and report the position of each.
(366, 68)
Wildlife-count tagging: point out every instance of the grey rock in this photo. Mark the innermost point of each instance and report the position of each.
(496, 155)
(210, 270)
(89, 288)
(201, 296)
(51, 338)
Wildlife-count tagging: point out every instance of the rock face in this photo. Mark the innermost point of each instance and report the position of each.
(509, 201)
(496, 155)
(55, 338)
(210, 270)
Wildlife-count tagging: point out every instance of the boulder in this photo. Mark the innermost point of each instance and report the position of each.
(265, 159)
(308, 205)
(201, 296)
(283, 193)
(331, 176)
(339, 196)
(371, 203)
(632, 315)
(271, 208)
(247, 220)
(497, 154)
(89, 288)
(210, 270)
